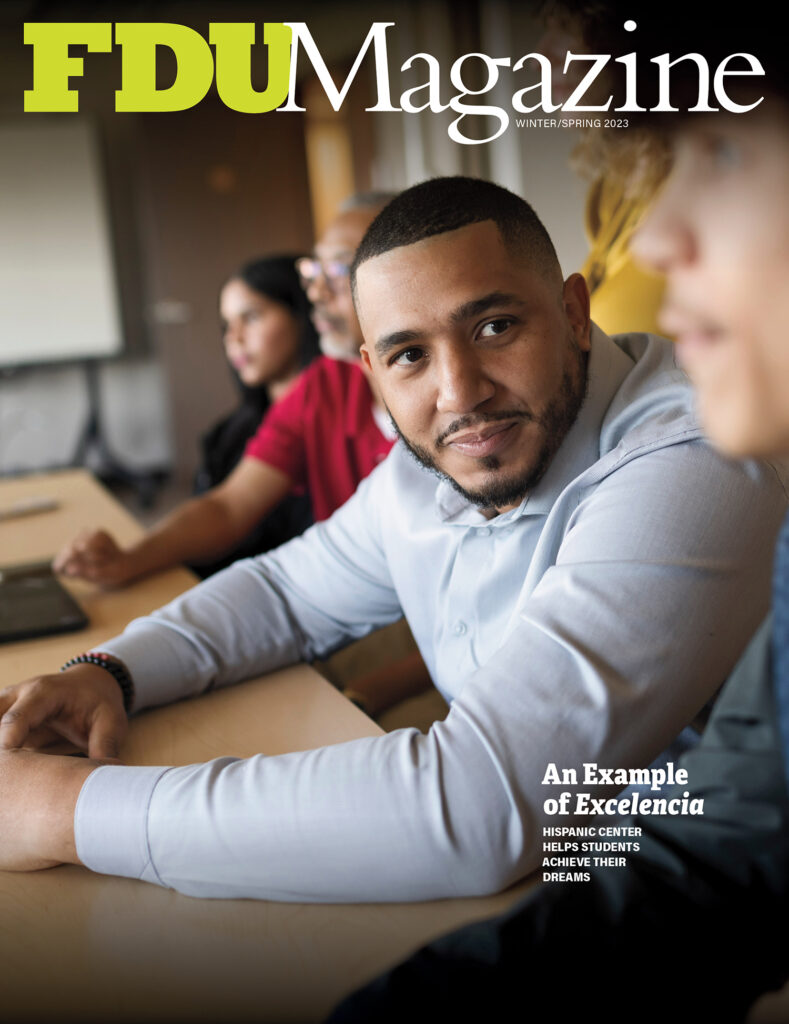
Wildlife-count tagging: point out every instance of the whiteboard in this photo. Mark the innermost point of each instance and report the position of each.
(58, 293)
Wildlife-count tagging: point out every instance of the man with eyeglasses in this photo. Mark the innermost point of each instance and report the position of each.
(324, 275)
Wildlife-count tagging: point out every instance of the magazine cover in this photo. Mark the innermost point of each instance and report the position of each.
(184, 187)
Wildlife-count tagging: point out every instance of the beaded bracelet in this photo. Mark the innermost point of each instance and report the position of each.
(115, 669)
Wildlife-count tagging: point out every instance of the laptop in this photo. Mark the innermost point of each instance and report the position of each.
(33, 603)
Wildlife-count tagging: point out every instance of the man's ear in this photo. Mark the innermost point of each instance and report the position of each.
(575, 299)
(364, 355)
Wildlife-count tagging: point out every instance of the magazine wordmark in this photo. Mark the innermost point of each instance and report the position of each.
(235, 48)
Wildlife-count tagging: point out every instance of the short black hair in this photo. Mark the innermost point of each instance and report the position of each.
(445, 204)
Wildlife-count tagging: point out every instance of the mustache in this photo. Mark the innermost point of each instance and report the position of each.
(469, 422)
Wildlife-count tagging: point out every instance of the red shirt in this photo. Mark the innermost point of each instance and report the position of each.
(322, 434)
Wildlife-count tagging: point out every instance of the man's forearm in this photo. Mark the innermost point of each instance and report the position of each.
(38, 796)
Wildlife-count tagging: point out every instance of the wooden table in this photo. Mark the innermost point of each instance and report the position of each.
(75, 946)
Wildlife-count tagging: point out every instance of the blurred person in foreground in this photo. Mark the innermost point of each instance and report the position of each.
(324, 432)
(694, 927)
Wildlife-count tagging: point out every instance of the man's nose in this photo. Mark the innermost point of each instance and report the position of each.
(463, 384)
(664, 240)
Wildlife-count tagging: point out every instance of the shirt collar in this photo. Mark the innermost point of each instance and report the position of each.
(608, 367)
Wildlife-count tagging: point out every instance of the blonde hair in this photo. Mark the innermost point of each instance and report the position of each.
(639, 160)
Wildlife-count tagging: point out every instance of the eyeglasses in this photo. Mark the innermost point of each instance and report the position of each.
(332, 271)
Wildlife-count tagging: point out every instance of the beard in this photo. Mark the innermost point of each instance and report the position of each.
(554, 424)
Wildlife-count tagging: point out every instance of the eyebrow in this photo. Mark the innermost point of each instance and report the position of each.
(476, 307)
(468, 311)
(390, 341)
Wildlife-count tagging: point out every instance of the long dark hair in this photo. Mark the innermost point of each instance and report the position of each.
(275, 278)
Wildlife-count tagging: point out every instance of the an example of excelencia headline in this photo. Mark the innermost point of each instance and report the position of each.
(234, 49)
(574, 803)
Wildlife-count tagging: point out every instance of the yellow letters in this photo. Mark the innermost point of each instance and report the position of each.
(138, 90)
(234, 71)
(52, 66)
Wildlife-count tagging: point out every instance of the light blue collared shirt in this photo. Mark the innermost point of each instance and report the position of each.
(589, 624)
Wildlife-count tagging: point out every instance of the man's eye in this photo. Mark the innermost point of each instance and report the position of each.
(407, 357)
(494, 328)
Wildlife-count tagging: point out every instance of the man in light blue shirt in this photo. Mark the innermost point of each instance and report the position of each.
(579, 568)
